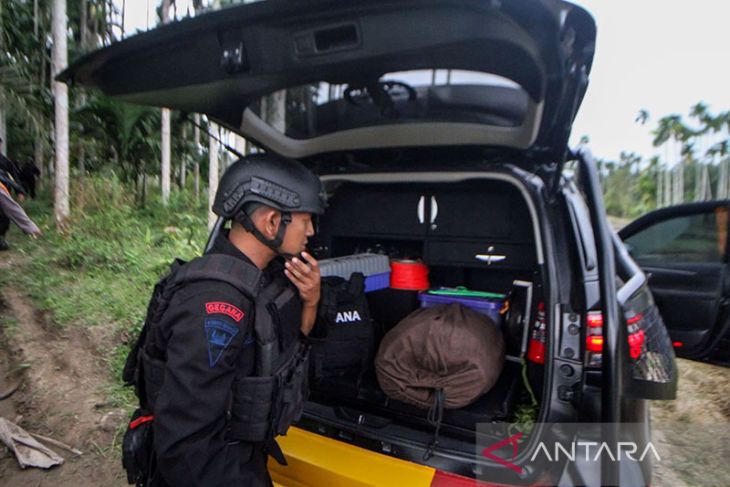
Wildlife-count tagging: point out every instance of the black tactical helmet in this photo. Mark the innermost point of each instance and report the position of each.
(283, 184)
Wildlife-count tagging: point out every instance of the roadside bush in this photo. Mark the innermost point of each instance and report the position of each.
(102, 270)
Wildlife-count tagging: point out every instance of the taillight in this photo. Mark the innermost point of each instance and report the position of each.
(594, 336)
(594, 343)
(446, 479)
(536, 349)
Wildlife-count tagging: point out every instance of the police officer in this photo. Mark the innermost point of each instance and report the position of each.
(210, 360)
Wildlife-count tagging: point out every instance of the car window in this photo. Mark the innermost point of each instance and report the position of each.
(688, 238)
(425, 95)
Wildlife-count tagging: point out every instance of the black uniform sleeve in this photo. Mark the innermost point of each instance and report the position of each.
(209, 330)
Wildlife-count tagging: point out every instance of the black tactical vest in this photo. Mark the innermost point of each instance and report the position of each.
(266, 403)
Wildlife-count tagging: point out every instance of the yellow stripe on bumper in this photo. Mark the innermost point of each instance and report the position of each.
(317, 461)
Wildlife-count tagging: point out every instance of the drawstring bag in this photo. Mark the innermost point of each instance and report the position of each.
(445, 356)
(448, 347)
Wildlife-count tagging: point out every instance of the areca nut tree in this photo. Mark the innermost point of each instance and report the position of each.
(213, 172)
(60, 94)
(165, 129)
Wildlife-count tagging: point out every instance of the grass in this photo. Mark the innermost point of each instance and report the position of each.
(102, 270)
(8, 324)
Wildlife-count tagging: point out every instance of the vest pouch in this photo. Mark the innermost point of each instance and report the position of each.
(138, 448)
(293, 391)
(286, 311)
(153, 371)
(252, 408)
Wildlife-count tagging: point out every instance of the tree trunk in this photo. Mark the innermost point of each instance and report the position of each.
(241, 144)
(60, 91)
(124, 14)
(196, 179)
(196, 132)
(165, 173)
(3, 122)
(183, 158)
(84, 25)
(213, 173)
(196, 167)
(165, 176)
(38, 155)
(274, 110)
(35, 18)
(81, 101)
(144, 189)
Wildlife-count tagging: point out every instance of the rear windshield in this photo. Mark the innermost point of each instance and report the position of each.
(427, 95)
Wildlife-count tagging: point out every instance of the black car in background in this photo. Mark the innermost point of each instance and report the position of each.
(440, 129)
(683, 250)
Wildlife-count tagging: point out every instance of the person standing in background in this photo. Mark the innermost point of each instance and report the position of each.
(11, 210)
(29, 173)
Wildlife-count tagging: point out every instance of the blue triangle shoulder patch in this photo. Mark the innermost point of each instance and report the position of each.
(219, 335)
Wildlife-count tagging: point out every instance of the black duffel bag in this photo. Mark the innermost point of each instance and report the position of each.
(343, 337)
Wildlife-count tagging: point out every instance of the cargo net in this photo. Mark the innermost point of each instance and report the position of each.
(654, 362)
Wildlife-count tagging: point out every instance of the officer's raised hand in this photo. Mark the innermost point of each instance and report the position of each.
(302, 269)
(305, 276)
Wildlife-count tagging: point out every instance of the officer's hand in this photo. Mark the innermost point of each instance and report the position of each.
(305, 277)
(21, 197)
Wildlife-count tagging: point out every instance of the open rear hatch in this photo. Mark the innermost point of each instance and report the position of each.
(303, 78)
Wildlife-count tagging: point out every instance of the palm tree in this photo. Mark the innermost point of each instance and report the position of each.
(128, 132)
(673, 135)
(60, 95)
(165, 115)
(22, 67)
(642, 117)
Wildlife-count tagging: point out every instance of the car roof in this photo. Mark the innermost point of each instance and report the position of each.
(230, 63)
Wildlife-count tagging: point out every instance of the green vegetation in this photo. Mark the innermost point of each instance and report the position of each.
(102, 271)
(694, 166)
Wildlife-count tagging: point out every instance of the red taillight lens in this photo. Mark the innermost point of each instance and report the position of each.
(594, 319)
(594, 336)
(634, 319)
(536, 349)
(636, 343)
(536, 352)
(446, 479)
(594, 343)
(677, 344)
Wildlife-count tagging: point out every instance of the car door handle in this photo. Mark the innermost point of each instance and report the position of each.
(421, 209)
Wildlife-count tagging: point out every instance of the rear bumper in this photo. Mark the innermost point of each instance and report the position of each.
(315, 460)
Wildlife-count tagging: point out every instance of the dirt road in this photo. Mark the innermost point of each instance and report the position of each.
(62, 395)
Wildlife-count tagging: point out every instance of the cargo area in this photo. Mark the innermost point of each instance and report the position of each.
(475, 236)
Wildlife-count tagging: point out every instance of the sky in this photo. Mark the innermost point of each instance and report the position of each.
(659, 55)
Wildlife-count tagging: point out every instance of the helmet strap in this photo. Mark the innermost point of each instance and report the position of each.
(276, 242)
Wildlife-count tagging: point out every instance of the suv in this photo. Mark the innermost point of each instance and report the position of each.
(440, 129)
